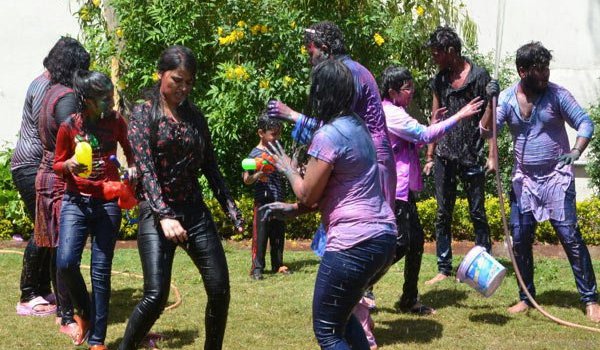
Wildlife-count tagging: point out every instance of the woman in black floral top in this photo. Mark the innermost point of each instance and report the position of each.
(172, 147)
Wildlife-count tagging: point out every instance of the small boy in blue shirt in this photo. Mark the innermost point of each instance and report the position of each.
(268, 188)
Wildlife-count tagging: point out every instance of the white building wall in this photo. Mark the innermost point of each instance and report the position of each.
(570, 29)
(28, 30)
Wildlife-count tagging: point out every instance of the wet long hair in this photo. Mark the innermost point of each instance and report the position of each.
(331, 91)
(393, 77)
(66, 57)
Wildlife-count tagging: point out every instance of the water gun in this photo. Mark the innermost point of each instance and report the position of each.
(83, 155)
(264, 163)
(120, 189)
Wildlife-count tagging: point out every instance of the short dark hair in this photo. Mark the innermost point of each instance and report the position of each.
(265, 123)
(533, 53)
(331, 90)
(328, 34)
(65, 57)
(443, 38)
(393, 77)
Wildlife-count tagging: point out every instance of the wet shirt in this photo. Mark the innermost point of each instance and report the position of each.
(29, 149)
(353, 207)
(462, 144)
(538, 183)
(103, 138)
(407, 135)
(170, 157)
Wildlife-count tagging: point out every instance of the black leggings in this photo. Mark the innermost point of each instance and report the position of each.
(156, 252)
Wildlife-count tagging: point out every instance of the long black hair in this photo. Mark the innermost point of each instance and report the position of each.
(65, 57)
(90, 85)
(332, 90)
(171, 58)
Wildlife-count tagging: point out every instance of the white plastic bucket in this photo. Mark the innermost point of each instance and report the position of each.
(481, 271)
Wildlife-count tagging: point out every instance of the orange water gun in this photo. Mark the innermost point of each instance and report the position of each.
(264, 163)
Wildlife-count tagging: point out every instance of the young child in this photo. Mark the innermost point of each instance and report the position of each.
(268, 188)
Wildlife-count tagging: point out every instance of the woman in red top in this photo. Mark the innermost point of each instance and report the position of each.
(86, 208)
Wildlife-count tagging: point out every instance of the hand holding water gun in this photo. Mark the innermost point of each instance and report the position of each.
(124, 189)
(263, 164)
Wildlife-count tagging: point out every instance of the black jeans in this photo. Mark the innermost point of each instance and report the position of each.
(410, 244)
(473, 179)
(274, 231)
(156, 252)
(35, 275)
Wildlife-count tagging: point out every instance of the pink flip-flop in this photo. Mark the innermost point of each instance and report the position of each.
(28, 308)
(151, 339)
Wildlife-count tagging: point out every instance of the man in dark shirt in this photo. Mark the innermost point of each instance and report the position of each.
(460, 152)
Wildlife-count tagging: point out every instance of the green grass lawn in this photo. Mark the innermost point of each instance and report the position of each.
(276, 313)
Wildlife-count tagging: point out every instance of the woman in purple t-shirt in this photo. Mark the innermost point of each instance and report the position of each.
(341, 179)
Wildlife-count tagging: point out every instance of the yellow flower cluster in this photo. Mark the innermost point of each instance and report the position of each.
(96, 2)
(155, 77)
(420, 10)
(241, 24)
(264, 84)
(121, 84)
(293, 24)
(84, 14)
(235, 35)
(259, 29)
(237, 73)
(378, 39)
(119, 32)
(287, 81)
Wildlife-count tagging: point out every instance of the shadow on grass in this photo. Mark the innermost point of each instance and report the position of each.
(441, 298)
(299, 265)
(122, 302)
(414, 330)
(560, 298)
(490, 318)
(174, 339)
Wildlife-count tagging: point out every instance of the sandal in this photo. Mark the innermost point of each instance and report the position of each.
(29, 308)
(81, 331)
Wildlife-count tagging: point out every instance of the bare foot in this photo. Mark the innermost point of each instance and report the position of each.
(592, 311)
(521, 306)
(438, 278)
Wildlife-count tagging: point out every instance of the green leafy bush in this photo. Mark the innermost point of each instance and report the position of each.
(12, 209)
(251, 51)
(588, 214)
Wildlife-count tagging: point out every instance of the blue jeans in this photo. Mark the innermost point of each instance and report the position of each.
(445, 174)
(342, 278)
(79, 217)
(523, 227)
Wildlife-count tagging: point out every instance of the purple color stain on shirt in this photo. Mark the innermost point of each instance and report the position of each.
(539, 184)
(353, 208)
(407, 135)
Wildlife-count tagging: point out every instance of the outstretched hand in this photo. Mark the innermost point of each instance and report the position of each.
(438, 114)
(283, 162)
(278, 211)
(471, 108)
(279, 110)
